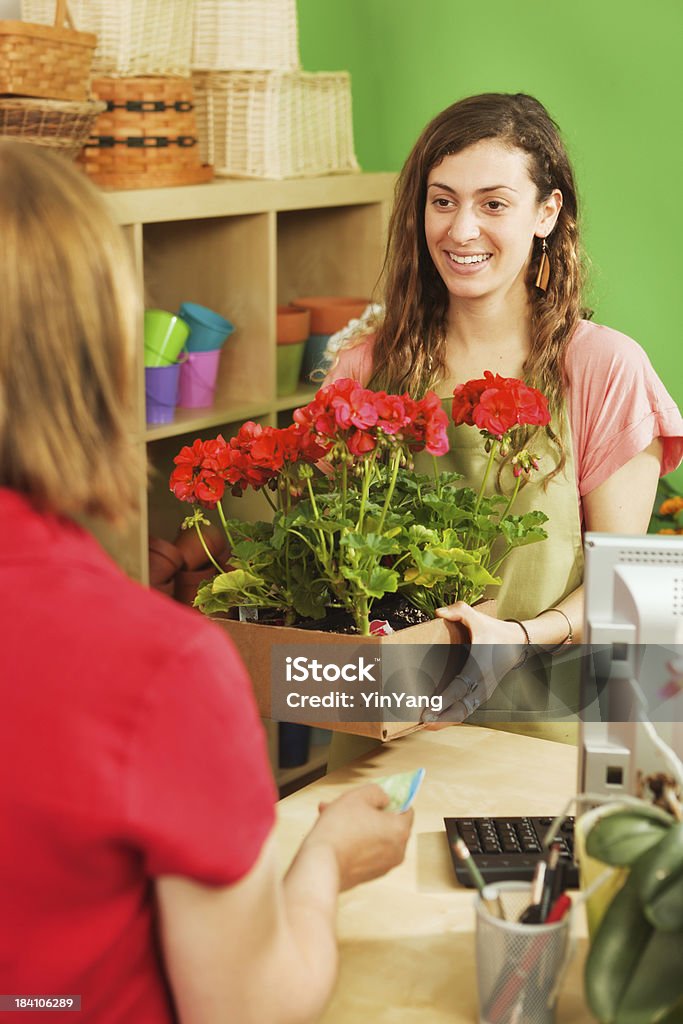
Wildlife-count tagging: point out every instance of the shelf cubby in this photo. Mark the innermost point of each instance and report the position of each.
(240, 248)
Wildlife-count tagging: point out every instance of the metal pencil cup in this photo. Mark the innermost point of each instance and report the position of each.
(519, 966)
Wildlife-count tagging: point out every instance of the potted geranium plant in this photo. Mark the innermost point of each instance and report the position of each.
(352, 519)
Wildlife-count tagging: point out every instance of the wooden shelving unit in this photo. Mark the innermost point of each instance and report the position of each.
(240, 248)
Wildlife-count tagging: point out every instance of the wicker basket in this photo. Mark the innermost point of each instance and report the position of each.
(134, 37)
(46, 60)
(275, 125)
(245, 35)
(62, 125)
(147, 135)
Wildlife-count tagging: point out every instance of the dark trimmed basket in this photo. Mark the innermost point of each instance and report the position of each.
(61, 125)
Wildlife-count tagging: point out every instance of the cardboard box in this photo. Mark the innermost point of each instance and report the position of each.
(256, 643)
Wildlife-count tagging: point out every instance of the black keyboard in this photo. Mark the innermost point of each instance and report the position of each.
(508, 848)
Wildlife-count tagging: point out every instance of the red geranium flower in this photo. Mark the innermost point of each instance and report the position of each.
(532, 405)
(361, 442)
(197, 477)
(428, 426)
(495, 404)
(355, 409)
(496, 411)
(465, 399)
(392, 412)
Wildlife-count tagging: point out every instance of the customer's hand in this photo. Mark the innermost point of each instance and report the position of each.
(367, 839)
(495, 650)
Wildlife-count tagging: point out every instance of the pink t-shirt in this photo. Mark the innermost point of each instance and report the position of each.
(617, 404)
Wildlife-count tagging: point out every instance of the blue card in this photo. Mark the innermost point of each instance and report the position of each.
(401, 789)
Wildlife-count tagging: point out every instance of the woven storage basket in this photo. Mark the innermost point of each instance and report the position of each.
(248, 35)
(134, 37)
(275, 125)
(147, 135)
(46, 60)
(61, 125)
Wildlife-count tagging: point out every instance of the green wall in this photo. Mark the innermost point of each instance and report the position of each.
(609, 71)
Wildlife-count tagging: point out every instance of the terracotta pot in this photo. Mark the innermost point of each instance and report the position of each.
(329, 313)
(189, 545)
(293, 325)
(167, 588)
(188, 581)
(164, 560)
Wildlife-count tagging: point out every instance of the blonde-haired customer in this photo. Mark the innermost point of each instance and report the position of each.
(137, 867)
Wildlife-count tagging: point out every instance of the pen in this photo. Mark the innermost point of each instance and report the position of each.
(549, 882)
(532, 914)
(559, 908)
(558, 883)
(488, 893)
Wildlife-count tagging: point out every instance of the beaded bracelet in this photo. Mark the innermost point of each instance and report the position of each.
(569, 639)
(527, 642)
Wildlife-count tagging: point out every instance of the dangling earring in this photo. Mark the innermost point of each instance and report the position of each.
(543, 275)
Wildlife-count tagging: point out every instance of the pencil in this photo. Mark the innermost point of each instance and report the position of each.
(461, 851)
(493, 903)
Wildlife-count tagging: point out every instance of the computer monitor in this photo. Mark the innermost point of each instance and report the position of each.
(633, 663)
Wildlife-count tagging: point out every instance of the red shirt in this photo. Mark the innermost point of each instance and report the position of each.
(131, 748)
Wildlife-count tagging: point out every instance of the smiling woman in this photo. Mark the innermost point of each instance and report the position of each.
(484, 272)
(480, 238)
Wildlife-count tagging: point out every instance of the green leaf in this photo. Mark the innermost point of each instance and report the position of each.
(235, 581)
(658, 877)
(373, 583)
(247, 550)
(429, 567)
(665, 909)
(480, 577)
(615, 952)
(373, 545)
(526, 529)
(310, 599)
(423, 535)
(675, 1017)
(210, 603)
(655, 987)
(621, 837)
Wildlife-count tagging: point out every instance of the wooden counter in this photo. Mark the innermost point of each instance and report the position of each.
(407, 940)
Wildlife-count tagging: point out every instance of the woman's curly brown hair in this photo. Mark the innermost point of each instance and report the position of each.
(410, 347)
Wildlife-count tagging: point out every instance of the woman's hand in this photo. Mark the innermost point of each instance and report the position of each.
(496, 647)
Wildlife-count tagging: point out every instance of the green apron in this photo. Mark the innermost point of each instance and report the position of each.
(535, 577)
